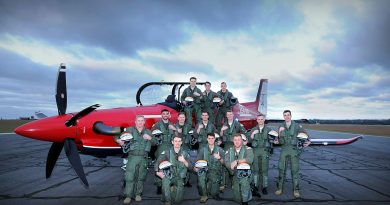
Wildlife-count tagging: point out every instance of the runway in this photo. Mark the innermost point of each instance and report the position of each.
(358, 173)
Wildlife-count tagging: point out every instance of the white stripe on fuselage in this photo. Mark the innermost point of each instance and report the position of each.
(98, 147)
(152, 116)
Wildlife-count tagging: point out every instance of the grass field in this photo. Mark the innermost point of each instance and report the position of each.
(381, 130)
(10, 125)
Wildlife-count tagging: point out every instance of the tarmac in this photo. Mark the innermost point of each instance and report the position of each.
(357, 173)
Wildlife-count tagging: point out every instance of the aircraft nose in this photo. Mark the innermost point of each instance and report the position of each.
(51, 129)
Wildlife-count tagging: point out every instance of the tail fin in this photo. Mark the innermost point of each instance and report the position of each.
(261, 98)
(260, 104)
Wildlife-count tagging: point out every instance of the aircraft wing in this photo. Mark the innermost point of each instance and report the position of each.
(322, 142)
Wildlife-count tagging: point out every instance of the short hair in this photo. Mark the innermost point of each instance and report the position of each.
(177, 136)
(229, 110)
(211, 134)
(223, 83)
(181, 113)
(237, 135)
(287, 111)
(164, 110)
(205, 112)
(192, 78)
(139, 116)
(260, 115)
(207, 82)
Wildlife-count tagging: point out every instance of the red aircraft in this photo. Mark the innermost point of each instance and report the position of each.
(91, 131)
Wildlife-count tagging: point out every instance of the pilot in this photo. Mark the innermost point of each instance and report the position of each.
(262, 145)
(288, 138)
(195, 94)
(227, 103)
(238, 160)
(173, 185)
(202, 128)
(228, 130)
(207, 101)
(209, 179)
(136, 170)
(164, 139)
(183, 130)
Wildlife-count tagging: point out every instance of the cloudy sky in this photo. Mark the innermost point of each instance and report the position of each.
(323, 59)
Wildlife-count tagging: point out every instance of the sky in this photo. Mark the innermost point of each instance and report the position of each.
(323, 59)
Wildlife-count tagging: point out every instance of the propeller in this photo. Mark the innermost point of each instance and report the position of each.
(68, 144)
(61, 96)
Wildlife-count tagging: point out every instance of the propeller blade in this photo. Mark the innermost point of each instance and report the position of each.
(61, 97)
(52, 157)
(74, 159)
(73, 121)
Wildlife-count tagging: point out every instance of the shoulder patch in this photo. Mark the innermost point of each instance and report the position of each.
(163, 152)
(248, 148)
(300, 126)
(226, 152)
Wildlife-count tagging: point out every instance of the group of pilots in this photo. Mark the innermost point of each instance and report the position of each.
(224, 156)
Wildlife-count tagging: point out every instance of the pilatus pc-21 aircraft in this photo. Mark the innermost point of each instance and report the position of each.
(91, 131)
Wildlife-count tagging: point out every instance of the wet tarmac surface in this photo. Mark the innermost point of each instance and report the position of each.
(358, 173)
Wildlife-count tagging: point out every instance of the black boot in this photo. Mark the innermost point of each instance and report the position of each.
(264, 191)
(255, 192)
(158, 192)
(188, 184)
(244, 203)
(217, 197)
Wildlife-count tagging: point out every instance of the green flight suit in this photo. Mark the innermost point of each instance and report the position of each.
(208, 183)
(288, 140)
(166, 141)
(261, 150)
(137, 164)
(221, 116)
(202, 135)
(241, 187)
(208, 105)
(173, 189)
(186, 137)
(196, 108)
(227, 139)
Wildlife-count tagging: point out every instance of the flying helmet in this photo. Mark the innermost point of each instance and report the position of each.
(302, 138)
(202, 167)
(165, 167)
(217, 137)
(126, 138)
(216, 101)
(189, 101)
(243, 170)
(194, 140)
(273, 135)
(157, 133)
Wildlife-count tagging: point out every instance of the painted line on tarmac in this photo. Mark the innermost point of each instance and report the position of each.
(7, 133)
(350, 133)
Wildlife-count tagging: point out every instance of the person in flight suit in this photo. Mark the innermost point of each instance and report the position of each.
(208, 181)
(225, 105)
(136, 170)
(207, 101)
(173, 186)
(182, 130)
(288, 133)
(168, 130)
(228, 130)
(262, 146)
(203, 128)
(234, 157)
(196, 94)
